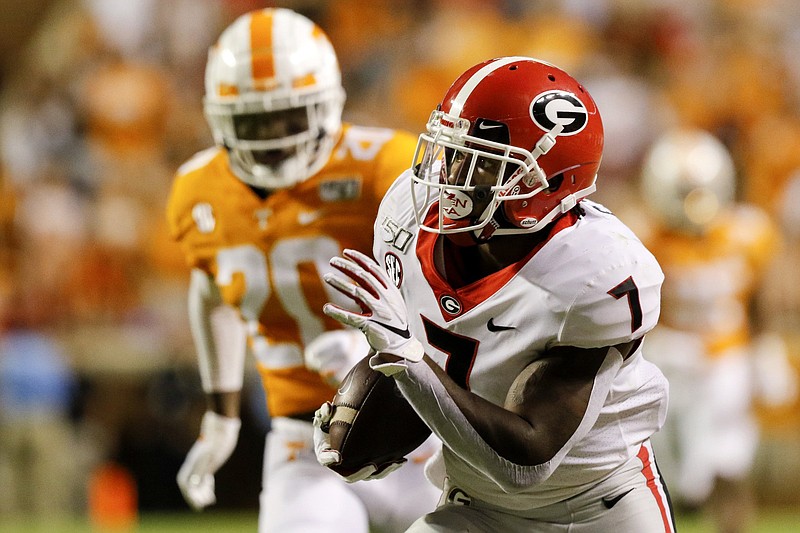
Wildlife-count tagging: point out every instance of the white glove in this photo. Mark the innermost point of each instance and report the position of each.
(334, 353)
(326, 456)
(217, 440)
(384, 319)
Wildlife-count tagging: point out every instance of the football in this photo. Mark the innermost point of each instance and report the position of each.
(372, 422)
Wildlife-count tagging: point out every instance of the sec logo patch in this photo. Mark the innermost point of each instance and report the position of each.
(394, 268)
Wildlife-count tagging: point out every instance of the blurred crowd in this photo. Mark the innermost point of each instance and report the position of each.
(101, 101)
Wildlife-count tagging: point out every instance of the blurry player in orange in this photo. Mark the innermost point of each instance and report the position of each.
(713, 252)
(287, 187)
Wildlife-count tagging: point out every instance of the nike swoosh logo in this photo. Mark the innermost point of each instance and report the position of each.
(405, 333)
(495, 328)
(611, 502)
(484, 126)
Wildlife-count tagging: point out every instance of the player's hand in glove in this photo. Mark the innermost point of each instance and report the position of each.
(217, 440)
(327, 456)
(384, 319)
(334, 353)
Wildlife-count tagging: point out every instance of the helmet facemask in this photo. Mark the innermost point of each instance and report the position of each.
(276, 142)
(471, 177)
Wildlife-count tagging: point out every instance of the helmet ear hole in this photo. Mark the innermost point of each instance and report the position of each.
(555, 183)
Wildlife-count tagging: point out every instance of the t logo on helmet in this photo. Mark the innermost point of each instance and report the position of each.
(552, 108)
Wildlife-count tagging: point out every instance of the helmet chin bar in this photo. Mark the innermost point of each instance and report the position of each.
(310, 156)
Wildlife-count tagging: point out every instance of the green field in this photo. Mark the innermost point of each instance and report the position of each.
(777, 521)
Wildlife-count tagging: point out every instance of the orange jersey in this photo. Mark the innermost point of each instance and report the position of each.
(710, 279)
(267, 255)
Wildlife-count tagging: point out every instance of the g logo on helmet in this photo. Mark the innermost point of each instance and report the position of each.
(559, 107)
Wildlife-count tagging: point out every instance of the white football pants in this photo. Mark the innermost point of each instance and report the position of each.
(299, 495)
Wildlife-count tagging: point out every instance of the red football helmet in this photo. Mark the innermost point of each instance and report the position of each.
(514, 143)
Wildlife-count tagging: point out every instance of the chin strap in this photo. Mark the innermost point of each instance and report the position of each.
(572, 200)
(543, 145)
(485, 233)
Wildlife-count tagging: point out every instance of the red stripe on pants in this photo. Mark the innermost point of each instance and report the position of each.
(647, 470)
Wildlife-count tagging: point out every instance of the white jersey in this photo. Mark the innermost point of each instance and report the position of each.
(591, 284)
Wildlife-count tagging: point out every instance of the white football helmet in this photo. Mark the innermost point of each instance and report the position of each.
(274, 97)
(688, 178)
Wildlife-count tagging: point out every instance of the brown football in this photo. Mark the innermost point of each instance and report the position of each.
(372, 422)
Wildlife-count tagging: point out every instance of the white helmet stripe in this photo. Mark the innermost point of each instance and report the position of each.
(289, 40)
(466, 90)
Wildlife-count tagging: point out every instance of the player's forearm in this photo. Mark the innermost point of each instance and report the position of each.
(525, 440)
(219, 336)
(511, 436)
(517, 449)
(423, 388)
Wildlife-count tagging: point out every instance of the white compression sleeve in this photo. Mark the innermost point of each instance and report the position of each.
(220, 336)
(426, 393)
